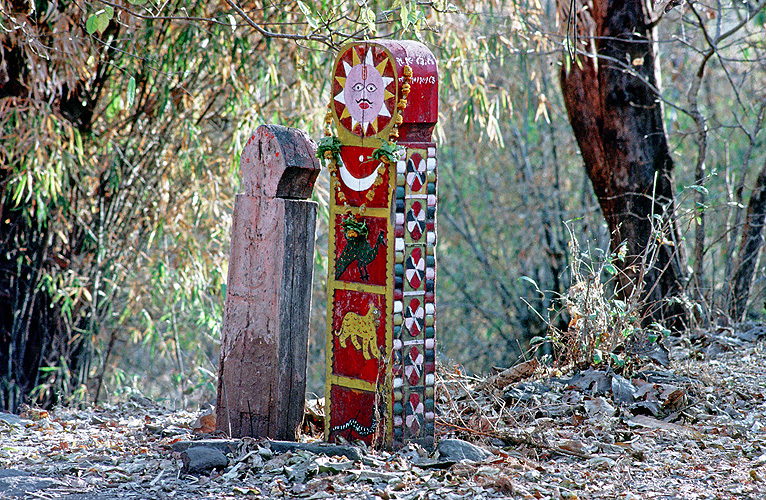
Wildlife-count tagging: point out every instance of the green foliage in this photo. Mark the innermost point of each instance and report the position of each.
(99, 21)
(137, 212)
(388, 151)
(313, 22)
(132, 206)
(505, 185)
(604, 329)
(130, 93)
(329, 144)
(600, 322)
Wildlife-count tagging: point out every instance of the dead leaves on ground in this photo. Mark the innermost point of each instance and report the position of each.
(696, 428)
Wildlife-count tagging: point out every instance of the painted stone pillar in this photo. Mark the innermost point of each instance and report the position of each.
(380, 321)
(264, 338)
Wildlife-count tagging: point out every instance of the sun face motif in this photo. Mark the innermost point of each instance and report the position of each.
(363, 93)
(364, 89)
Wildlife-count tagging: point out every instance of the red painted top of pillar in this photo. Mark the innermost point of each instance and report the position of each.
(367, 85)
(422, 109)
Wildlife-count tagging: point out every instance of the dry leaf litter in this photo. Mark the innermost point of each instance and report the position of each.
(694, 430)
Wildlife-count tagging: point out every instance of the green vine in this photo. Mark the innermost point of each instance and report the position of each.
(329, 144)
(390, 152)
(351, 223)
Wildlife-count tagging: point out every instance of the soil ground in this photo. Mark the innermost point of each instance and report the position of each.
(693, 430)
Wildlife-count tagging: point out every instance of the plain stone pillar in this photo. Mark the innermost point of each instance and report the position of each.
(264, 339)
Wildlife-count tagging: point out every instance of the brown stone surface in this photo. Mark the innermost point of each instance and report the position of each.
(290, 160)
(262, 375)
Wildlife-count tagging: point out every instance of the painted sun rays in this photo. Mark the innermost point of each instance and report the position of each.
(364, 92)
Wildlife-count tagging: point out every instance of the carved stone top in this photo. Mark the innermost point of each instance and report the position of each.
(279, 162)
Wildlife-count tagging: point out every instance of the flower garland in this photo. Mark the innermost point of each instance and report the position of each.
(388, 152)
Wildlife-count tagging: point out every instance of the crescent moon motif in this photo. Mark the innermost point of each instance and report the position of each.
(355, 183)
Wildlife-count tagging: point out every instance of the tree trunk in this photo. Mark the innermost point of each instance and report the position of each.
(616, 116)
(750, 246)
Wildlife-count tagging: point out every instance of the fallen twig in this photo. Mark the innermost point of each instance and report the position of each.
(516, 440)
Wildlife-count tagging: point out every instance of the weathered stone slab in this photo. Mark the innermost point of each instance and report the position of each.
(231, 445)
(455, 450)
(262, 375)
(16, 483)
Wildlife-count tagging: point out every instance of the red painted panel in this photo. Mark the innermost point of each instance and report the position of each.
(352, 414)
(362, 258)
(422, 109)
(357, 317)
(360, 172)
